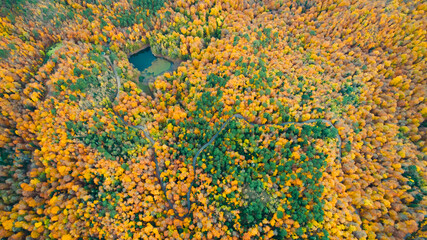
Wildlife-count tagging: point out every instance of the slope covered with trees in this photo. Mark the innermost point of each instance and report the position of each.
(86, 154)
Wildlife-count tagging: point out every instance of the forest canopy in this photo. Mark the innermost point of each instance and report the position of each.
(284, 120)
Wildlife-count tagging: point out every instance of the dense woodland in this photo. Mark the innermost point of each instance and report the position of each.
(75, 165)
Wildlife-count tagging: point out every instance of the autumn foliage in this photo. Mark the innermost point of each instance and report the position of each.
(73, 167)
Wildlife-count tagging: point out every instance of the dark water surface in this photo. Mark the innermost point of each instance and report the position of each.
(150, 67)
(142, 59)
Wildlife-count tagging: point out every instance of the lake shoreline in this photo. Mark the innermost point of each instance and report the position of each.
(149, 80)
(145, 46)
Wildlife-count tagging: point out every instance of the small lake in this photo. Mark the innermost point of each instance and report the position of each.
(150, 67)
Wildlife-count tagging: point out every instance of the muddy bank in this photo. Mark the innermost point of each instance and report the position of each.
(138, 50)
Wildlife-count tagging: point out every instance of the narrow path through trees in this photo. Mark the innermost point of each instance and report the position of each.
(235, 116)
